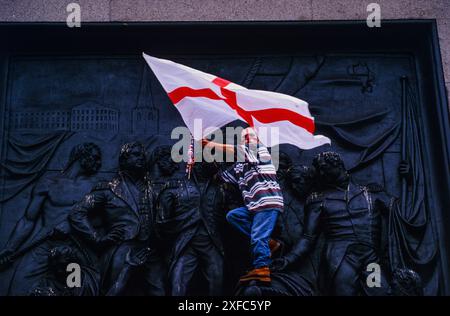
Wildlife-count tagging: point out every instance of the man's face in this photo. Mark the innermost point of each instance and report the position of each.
(328, 173)
(136, 158)
(248, 136)
(91, 162)
(166, 164)
(301, 180)
(301, 186)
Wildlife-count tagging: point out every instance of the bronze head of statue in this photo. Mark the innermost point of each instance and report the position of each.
(406, 282)
(132, 158)
(59, 258)
(89, 157)
(330, 169)
(302, 180)
(284, 165)
(162, 158)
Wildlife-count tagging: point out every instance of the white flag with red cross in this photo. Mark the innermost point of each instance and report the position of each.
(217, 102)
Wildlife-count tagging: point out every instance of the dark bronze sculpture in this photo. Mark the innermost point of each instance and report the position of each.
(358, 107)
(406, 282)
(189, 214)
(350, 215)
(127, 205)
(51, 201)
(54, 282)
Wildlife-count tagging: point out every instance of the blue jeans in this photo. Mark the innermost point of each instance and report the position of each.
(258, 226)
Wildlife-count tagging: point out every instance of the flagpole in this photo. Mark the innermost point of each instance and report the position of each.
(191, 160)
(403, 80)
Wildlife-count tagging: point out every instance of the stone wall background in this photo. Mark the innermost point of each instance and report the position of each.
(233, 10)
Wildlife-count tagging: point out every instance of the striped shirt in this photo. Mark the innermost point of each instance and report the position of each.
(256, 179)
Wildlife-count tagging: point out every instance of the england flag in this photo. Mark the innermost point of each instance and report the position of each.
(217, 102)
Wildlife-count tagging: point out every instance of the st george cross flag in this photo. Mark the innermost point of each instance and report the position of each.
(217, 102)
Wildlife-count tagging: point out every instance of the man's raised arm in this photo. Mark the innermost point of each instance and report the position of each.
(222, 147)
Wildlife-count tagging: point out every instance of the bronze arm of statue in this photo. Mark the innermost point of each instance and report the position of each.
(25, 225)
(313, 210)
(166, 204)
(79, 220)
